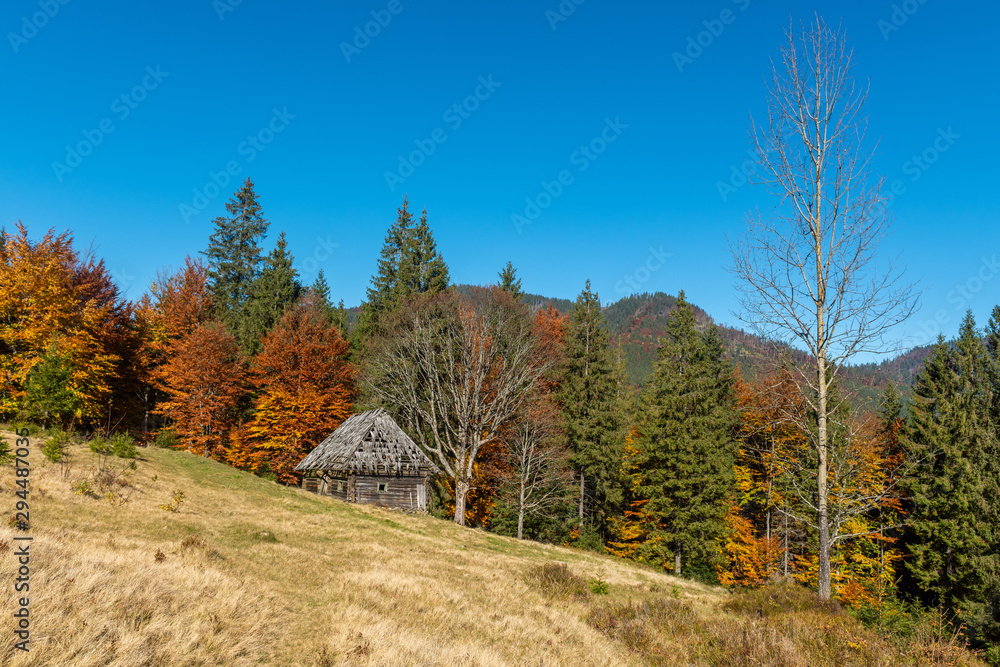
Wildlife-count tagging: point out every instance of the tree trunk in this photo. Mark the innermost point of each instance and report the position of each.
(677, 562)
(461, 491)
(583, 493)
(520, 513)
(821, 482)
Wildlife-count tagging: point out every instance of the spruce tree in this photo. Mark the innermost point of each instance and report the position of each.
(275, 288)
(591, 423)
(687, 446)
(409, 263)
(337, 316)
(234, 260)
(951, 490)
(48, 394)
(510, 283)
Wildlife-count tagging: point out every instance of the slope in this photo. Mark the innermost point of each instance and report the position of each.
(250, 572)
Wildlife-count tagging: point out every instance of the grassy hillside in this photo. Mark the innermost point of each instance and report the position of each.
(249, 572)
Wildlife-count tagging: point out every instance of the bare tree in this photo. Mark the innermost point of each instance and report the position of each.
(456, 370)
(538, 475)
(809, 273)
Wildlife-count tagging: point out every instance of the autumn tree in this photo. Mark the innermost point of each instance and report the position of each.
(203, 380)
(49, 292)
(808, 273)
(455, 370)
(305, 389)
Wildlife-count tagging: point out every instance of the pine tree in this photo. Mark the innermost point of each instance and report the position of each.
(335, 315)
(687, 446)
(408, 264)
(510, 283)
(591, 423)
(950, 527)
(234, 261)
(275, 288)
(427, 271)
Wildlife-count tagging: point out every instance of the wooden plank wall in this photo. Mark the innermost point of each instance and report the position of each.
(401, 491)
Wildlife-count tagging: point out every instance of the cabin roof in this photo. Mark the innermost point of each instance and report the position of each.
(368, 443)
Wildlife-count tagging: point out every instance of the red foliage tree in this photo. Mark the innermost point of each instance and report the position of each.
(204, 380)
(305, 390)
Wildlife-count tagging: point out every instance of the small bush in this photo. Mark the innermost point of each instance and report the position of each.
(598, 586)
(159, 557)
(121, 445)
(175, 504)
(82, 487)
(165, 440)
(779, 598)
(192, 542)
(54, 448)
(556, 580)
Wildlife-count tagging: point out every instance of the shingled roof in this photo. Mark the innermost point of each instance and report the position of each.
(368, 443)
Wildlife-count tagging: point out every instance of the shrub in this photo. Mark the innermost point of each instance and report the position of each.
(159, 557)
(556, 580)
(54, 448)
(175, 504)
(165, 440)
(598, 586)
(121, 445)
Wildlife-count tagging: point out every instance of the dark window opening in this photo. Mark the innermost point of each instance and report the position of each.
(382, 487)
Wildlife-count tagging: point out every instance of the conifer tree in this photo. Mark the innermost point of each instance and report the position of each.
(510, 283)
(48, 395)
(275, 288)
(952, 486)
(591, 423)
(409, 263)
(687, 446)
(234, 261)
(335, 315)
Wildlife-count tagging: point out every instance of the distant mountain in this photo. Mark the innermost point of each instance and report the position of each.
(636, 323)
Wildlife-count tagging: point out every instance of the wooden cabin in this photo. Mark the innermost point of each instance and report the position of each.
(369, 459)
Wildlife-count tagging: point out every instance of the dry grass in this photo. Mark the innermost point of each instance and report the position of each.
(248, 572)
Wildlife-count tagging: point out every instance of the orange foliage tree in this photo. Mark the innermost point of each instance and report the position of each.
(769, 534)
(305, 389)
(51, 298)
(203, 380)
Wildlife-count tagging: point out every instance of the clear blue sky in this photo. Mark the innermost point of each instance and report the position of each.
(322, 177)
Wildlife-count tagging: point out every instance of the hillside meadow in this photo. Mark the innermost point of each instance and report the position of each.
(242, 571)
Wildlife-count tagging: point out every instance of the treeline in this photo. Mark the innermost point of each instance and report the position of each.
(528, 412)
